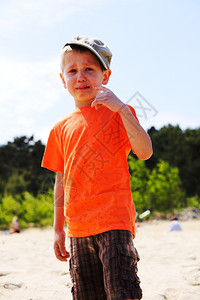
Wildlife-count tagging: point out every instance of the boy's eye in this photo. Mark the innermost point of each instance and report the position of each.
(72, 71)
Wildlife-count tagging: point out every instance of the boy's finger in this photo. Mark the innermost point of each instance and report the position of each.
(63, 251)
(67, 254)
(61, 258)
(64, 257)
(61, 255)
(99, 89)
(96, 104)
(57, 252)
(59, 249)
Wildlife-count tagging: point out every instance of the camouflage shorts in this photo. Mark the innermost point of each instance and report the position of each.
(104, 266)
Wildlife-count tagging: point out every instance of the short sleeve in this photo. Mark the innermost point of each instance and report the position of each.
(53, 158)
(133, 112)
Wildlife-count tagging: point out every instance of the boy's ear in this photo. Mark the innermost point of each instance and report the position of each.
(106, 76)
(63, 81)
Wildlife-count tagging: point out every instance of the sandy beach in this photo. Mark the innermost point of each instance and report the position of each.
(169, 268)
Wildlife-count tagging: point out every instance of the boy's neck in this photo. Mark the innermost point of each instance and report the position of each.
(83, 104)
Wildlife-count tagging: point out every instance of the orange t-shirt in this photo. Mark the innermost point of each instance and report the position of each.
(90, 147)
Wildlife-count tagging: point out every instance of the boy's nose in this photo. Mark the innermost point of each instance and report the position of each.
(80, 76)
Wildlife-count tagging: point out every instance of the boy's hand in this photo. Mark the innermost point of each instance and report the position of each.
(107, 98)
(59, 246)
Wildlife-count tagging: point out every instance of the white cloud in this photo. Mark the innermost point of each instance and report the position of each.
(28, 85)
(41, 13)
(27, 90)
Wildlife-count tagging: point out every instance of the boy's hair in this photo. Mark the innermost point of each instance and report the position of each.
(80, 49)
(93, 45)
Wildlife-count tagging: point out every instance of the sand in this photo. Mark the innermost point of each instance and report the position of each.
(169, 267)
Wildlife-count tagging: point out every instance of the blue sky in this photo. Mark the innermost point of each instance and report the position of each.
(156, 59)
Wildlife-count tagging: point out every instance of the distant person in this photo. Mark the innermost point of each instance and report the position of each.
(175, 226)
(194, 213)
(88, 150)
(15, 226)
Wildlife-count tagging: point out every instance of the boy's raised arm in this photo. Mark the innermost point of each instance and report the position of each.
(59, 219)
(139, 139)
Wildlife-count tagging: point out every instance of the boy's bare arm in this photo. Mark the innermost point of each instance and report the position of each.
(139, 139)
(59, 219)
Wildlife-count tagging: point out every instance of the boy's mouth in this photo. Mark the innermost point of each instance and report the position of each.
(83, 87)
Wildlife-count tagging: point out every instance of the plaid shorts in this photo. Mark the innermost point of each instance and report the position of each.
(104, 266)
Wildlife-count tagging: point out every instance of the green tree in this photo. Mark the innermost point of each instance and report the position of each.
(30, 210)
(190, 169)
(16, 184)
(39, 210)
(180, 149)
(10, 206)
(20, 167)
(164, 188)
(139, 178)
(193, 202)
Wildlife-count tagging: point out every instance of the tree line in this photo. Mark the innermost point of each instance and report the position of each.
(181, 149)
(169, 180)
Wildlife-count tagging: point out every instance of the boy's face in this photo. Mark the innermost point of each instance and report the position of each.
(81, 75)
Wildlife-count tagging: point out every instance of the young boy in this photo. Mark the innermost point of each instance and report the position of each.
(88, 151)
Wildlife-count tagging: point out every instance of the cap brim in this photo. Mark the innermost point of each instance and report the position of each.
(91, 49)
